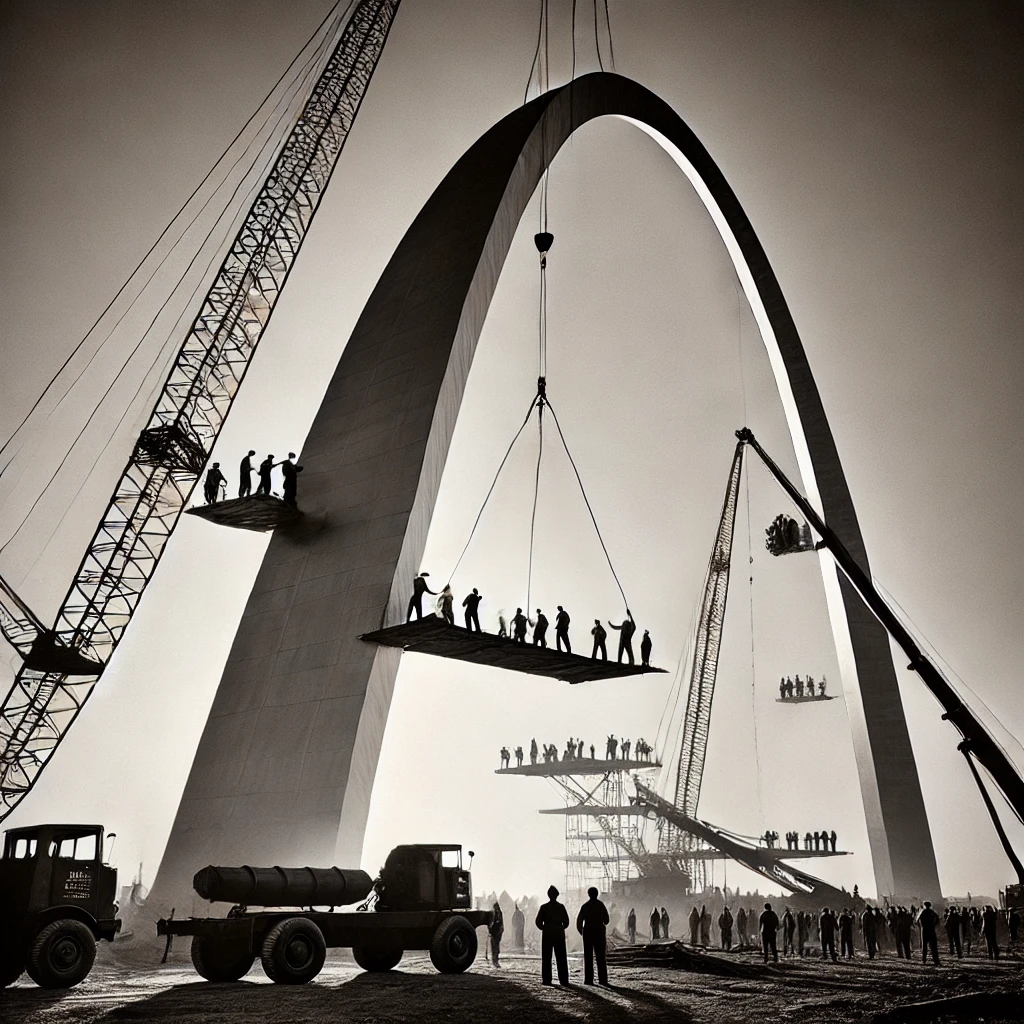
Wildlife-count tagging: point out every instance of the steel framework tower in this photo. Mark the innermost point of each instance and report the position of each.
(64, 663)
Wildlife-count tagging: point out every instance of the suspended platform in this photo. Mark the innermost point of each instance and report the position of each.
(596, 811)
(579, 766)
(804, 700)
(259, 512)
(432, 635)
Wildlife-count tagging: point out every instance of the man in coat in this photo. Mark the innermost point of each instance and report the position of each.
(591, 922)
(552, 920)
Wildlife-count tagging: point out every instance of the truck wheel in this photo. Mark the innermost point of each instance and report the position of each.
(453, 947)
(293, 951)
(61, 954)
(377, 958)
(221, 959)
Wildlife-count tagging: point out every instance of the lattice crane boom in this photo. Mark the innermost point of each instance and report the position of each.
(704, 666)
(63, 664)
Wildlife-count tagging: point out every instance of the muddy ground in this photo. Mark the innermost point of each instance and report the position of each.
(793, 992)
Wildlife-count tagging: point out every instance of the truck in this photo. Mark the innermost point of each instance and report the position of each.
(56, 903)
(422, 899)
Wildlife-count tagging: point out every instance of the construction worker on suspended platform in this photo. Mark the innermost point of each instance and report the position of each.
(472, 603)
(540, 629)
(445, 600)
(266, 466)
(599, 634)
(519, 624)
(245, 475)
(419, 588)
(645, 649)
(626, 630)
(291, 480)
(562, 630)
(211, 487)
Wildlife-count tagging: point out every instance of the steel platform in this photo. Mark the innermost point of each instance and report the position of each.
(596, 811)
(432, 635)
(260, 513)
(579, 766)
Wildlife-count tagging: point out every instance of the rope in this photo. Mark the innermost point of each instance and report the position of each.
(597, 39)
(536, 493)
(490, 491)
(753, 669)
(608, 25)
(160, 238)
(536, 55)
(586, 500)
(138, 345)
(572, 76)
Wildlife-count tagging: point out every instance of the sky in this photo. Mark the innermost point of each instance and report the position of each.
(876, 150)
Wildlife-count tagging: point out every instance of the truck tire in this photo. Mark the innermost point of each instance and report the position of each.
(293, 951)
(453, 947)
(61, 954)
(377, 958)
(221, 960)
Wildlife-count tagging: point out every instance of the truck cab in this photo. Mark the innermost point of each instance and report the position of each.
(424, 877)
(57, 900)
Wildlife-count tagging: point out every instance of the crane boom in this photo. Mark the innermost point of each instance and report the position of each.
(977, 742)
(704, 666)
(65, 663)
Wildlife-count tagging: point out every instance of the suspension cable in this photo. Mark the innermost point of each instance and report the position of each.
(608, 26)
(597, 39)
(753, 668)
(539, 401)
(35, 405)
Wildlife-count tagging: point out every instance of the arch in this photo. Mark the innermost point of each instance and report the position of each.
(285, 767)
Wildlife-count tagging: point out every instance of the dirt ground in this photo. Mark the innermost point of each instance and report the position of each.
(793, 992)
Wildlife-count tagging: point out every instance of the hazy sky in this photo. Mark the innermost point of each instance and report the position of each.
(876, 149)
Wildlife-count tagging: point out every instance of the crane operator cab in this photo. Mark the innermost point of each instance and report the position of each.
(56, 901)
(424, 877)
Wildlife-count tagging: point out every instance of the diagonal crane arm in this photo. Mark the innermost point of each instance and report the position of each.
(61, 669)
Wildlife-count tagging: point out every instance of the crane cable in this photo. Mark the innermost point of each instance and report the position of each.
(163, 234)
(268, 144)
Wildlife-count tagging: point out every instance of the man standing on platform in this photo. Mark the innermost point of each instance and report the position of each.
(245, 475)
(290, 491)
(626, 630)
(266, 467)
(562, 630)
(533, 750)
(540, 630)
(768, 925)
(472, 603)
(645, 649)
(519, 757)
(419, 588)
(591, 923)
(211, 488)
(552, 920)
(599, 634)
(519, 625)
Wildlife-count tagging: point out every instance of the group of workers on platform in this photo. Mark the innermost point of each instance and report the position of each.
(576, 750)
(215, 479)
(516, 630)
(805, 933)
(797, 687)
(818, 841)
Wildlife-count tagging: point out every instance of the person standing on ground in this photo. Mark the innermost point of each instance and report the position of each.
(664, 923)
(694, 921)
(827, 931)
(989, 917)
(518, 930)
(419, 588)
(870, 932)
(562, 630)
(927, 919)
(600, 635)
(846, 933)
(495, 930)
(655, 925)
(591, 922)
(626, 630)
(631, 925)
(211, 488)
(471, 602)
(552, 920)
(741, 927)
(245, 475)
(1013, 924)
(904, 924)
(802, 931)
(953, 932)
(705, 926)
(768, 926)
(788, 928)
(725, 928)
(645, 649)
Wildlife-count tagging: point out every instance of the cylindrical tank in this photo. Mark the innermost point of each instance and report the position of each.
(283, 887)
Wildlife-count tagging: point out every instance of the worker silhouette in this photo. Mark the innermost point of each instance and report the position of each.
(599, 634)
(626, 630)
(694, 922)
(291, 480)
(631, 925)
(245, 475)
(214, 478)
(265, 469)
(504, 757)
(562, 630)
(799, 686)
(927, 919)
(821, 687)
(768, 925)
(502, 624)
(610, 747)
(625, 749)
(591, 922)
(519, 757)
(518, 929)
(655, 923)
(472, 604)
(552, 920)
(645, 649)
(445, 600)
(419, 588)
(827, 934)
(540, 630)
(533, 751)
(519, 624)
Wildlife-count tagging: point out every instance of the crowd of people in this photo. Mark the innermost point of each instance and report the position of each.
(577, 750)
(797, 687)
(520, 625)
(823, 842)
(216, 483)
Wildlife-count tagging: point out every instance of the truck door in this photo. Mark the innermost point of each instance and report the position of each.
(73, 877)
